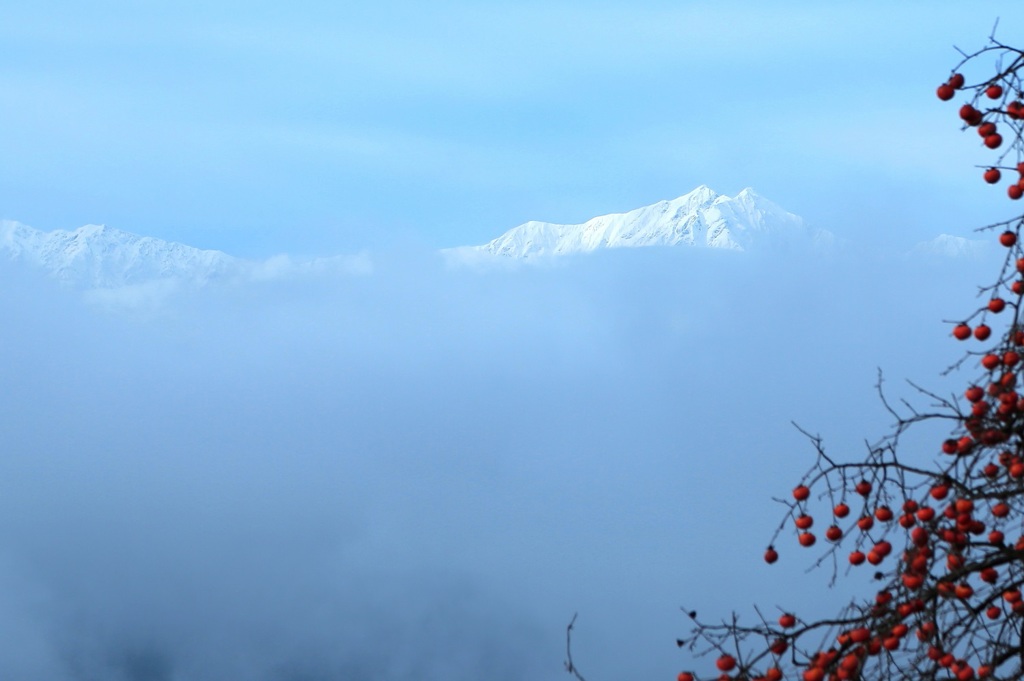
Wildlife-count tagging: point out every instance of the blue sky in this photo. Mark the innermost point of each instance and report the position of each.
(318, 128)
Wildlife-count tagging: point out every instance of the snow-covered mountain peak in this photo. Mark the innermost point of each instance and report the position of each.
(749, 194)
(701, 218)
(699, 196)
(90, 230)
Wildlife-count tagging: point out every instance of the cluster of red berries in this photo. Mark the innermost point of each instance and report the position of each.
(963, 330)
(941, 532)
(1015, 190)
(988, 129)
(947, 90)
(834, 533)
(957, 568)
(941, 526)
(996, 409)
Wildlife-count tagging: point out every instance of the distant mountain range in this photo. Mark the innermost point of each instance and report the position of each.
(702, 219)
(100, 259)
(95, 257)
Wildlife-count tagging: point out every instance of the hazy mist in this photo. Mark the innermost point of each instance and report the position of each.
(423, 473)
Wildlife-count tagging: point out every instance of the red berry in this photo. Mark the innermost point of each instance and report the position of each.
(970, 115)
(1014, 192)
(992, 175)
(787, 620)
(813, 674)
(833, 533)
(986, 129)
(863, 488)
(1008, 238)
(990, 361)
(857, 557)
(945, 92)
(841, 510)
(994, 140)
(956, 80)
(974, 393)
(726, 663)
(1017, 287)
(912, 582)
(1015, 110)
(807, 539)
(860, 634)
(963, 506)
(997, 305)
(994, 91)
(804, 522)
(801, 493)
(982, 332)
(964, 591)
(961, 332)
(771, 555)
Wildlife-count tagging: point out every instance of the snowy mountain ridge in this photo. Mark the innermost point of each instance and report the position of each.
(702, 218)
(96, 257)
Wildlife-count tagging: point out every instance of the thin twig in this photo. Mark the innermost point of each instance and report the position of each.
(569, 665)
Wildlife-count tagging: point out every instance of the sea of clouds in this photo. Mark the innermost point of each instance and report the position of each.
(424, 472)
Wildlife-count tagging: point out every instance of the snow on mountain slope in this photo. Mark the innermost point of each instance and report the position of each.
(702, 218)
(949, 246)
(95, 256)
(98, 258)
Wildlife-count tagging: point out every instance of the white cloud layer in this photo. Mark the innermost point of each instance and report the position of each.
(425, 472)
